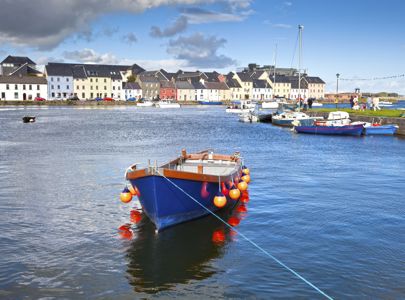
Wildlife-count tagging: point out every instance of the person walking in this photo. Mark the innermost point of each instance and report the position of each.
(376, 103)
(369, 103)
(310, 101)
(351, 102)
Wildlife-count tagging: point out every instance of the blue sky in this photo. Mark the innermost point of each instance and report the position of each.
(358, 39)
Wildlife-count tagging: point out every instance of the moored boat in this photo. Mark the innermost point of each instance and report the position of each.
(287, 118)
(167, 103)
(378, 129)
(210, 102)
(28, 119)
(248, 117)
(184, 188)
(240, 107)
(330, 129)
(146, 103)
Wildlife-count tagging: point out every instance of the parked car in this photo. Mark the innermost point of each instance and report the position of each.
(108, 99)
(39, 99)
(131, 99)
(99, 99)
(74, 98)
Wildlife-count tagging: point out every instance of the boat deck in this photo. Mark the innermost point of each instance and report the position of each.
(214, 167)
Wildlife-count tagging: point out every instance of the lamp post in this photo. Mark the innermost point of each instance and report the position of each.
(337, 89)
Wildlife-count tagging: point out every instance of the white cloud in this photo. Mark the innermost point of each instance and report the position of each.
(282, 26)
(171, 65)
(200, 51)
(196, 15)
(47, 23)
(90, 56)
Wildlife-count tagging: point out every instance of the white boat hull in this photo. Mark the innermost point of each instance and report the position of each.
(145, 104)
(273, 105)
(239, 110)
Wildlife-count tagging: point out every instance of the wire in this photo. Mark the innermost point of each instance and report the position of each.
(295, 50)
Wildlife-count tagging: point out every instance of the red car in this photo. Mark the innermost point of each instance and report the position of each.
(108, 99)
(39, 99)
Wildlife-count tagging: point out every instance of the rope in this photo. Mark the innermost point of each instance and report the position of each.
(249, 240)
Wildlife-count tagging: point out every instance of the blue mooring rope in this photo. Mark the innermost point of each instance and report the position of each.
(250, 241)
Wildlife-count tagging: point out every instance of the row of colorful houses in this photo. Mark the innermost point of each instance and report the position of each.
(20, 80)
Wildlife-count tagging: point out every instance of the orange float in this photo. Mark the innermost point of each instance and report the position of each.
(126, 195)
(242, 186)
(234, 193)
(220, 200)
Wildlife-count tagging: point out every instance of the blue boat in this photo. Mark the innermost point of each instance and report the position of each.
(330, 129)
(210, 102)
(372, 129)
(184, 188)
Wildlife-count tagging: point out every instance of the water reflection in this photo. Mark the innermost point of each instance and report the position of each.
(158, 262)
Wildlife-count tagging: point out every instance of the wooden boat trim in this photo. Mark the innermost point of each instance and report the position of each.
(133, 173)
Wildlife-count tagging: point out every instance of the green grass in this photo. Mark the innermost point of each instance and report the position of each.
(378, 113)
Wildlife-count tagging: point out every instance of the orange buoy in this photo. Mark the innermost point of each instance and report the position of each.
(233, 221)
(135, 216)
(242, 186)
(244, 197)
(126, 234)
(204, 190)
(218, 236)
(224, 190)
(241, 208)
(132, 189)
(246, 178)
(220, 200)
(246, 171)
(126, 195)
(124, 227)
(234, 193)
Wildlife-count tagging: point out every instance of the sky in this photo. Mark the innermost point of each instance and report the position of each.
(361, 40)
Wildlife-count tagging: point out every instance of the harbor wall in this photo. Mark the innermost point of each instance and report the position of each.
(384, 120)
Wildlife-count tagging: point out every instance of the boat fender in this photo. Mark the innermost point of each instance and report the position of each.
(219, 200)
(234, 193)
(126, 195)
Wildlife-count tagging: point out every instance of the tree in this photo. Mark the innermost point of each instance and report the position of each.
(131, 78)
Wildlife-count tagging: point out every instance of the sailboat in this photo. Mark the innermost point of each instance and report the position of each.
(274, 104)
(287, 118)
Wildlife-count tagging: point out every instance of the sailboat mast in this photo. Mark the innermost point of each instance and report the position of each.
(275, 63)
(300, 28)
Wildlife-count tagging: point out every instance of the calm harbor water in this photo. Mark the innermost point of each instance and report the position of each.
(331, 208)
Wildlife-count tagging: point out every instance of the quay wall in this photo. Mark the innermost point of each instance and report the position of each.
(384, 120)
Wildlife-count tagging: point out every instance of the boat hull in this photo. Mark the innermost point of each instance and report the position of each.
(210, 102)
(331, 130)
(380, 130)
(167, 205)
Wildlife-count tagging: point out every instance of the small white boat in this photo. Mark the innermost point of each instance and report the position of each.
(270, 104)
(240, 107)
(248, 117)
(145, 104)
(167, 103)
(287, 118)
(317, 104)
(385, 103)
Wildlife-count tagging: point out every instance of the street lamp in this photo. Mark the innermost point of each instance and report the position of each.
(337, 89)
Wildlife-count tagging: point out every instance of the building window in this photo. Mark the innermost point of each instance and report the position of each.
(77, 87)
(91, 87)
(7, 86)
(96, 79)
(38, 95)
(58, 87)
(91, 79)
(105, 80)
(16, 87)
(67, 87)
(114, 88)
(64, 95)
(97, 87)
(58, 79)
(105, 88)
(52, 87)
(38, 87)
(83, 95)
(67, 79)
(83, 87)
(23, 86)
(53, 95)
(51, 78)
(91, 95)
(15, 95)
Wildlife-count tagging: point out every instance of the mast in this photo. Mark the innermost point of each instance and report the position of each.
(275, 62)
(300, 28)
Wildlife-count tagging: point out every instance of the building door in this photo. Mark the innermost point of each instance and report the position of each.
(3, 95)
(24, 96)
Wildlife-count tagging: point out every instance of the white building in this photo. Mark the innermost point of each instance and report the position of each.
(60, 81)
(261, 90)
(23, 87)
(132, 90)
